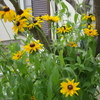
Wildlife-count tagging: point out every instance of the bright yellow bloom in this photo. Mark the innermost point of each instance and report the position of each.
(17, 55)
(33, 98)
(91, 32)
(72, 44)
(19, 25)
(90, 16)
(64, 29)
(33, 46)
(35, 23)
(45, 17)
(89, 26)
(50, 18)
(69, 88)
(54, 18)
(39, 18)
(7, 14)
(25, 13)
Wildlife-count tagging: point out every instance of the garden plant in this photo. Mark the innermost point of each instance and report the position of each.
(68, 69)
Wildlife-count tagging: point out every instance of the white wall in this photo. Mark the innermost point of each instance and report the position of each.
(3, 33)
(27, 3)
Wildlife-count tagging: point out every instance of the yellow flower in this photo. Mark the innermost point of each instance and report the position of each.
(35, 23)
(72, 44)
(25, 13)
(19, 25)
(33, 98)
(90, 16)
(50, 18)
(64, 29)
(39, 18)
(69, 88)
(17, 55)
(91, 32)
(8, 14)
(54, 18)
(33, 46)
(89, 26)
(45, 17)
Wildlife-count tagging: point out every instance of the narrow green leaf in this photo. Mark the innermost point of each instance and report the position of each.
(76, 17)
(55, 75)
(61, 58)
(49, 89)
(78, 60)
(70, 70)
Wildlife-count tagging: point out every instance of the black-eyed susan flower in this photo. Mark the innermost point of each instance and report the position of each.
(17, 55)
(7, 14)
(50, 18)
(69, 88)
(90, 16)
(45, 17)
(54, 18)
(33, 46)
(33, 98)
(26, 13)
(64, 29)
(90, 26)
(19, 25)
(91, 32)
(35, 23)
(72, 44)
(39, 17)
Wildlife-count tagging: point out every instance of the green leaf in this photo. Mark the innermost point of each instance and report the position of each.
(64, 6)
(78, 60)
(70, 70)
(22, 67)
(61, 58)
(49, 89)
(86, 84)
(55, 75)
(88, 69)
(76, 17)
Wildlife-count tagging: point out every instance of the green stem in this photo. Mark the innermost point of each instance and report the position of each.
(43, 36)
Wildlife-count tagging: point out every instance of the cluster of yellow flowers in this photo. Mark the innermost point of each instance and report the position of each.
(90, 16)
(72, 44)
(64, 29)
(23, 19)
(90, 30)
(33, 46)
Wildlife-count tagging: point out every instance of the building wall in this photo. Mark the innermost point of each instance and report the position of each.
(27, 3)
(3, 33)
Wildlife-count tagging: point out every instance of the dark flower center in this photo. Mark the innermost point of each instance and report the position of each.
(19, 56)
(32, 45)
(70, 87)
(40, 15)
(6, 9)
(18, 23)
(64, 27)
(90, 31)
(90, 14)
(20, 12)
(89, 24)
(34, 21)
